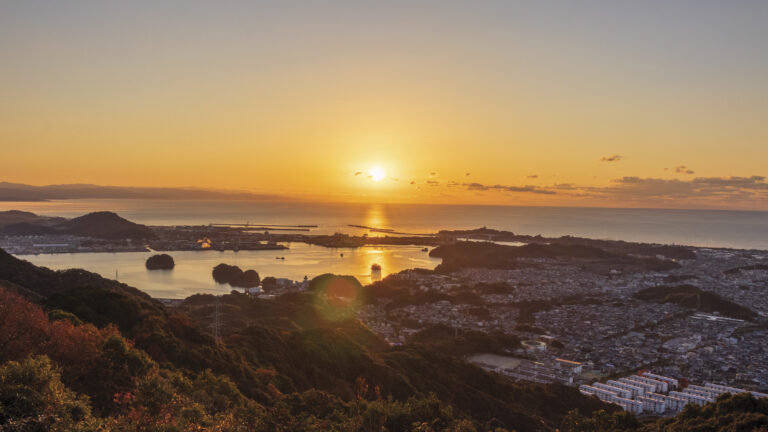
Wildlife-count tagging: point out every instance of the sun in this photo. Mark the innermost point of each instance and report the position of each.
(377, 174)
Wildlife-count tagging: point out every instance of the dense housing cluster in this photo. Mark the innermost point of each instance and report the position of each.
(657, 394)
(714, 331)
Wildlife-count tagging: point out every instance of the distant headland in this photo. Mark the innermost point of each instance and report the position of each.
(23, 192)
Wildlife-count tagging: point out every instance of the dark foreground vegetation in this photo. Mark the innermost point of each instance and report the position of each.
(729, 413)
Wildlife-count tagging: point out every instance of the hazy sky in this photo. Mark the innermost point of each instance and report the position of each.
(636, 103)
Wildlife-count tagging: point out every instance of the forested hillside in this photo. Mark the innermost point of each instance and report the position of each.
(729, 413)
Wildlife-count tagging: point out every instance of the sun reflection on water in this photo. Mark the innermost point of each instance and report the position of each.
(376, 217)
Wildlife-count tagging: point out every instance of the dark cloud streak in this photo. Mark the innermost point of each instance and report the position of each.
(682, 169)
(637, 188)
(507, 188)
(614, 158)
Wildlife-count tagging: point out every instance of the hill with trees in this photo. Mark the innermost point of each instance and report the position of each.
(16, 222)
(10, 217)
(467, 254)
(737, 270)
(160, 262)
(235, 276)
(102, 225)
(106, 225)
(692, 297)
(613, 246)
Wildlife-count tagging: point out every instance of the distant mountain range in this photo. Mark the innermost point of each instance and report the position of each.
(23, 192)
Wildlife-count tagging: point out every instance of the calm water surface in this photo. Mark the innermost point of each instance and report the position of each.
(192, 273)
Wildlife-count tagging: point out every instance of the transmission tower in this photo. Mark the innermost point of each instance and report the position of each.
(216, 324)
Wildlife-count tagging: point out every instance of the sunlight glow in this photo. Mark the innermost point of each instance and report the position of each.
(377, 174)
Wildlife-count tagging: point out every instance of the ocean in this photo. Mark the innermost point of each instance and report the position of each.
(709, 228)
(706, 228)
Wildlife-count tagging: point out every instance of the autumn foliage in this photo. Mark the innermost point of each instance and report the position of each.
(93, 361)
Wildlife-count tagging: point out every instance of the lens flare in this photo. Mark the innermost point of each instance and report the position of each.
(336, 297)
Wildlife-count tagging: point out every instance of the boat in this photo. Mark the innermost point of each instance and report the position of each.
(375, 267)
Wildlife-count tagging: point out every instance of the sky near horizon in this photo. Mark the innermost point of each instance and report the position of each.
(606, 103)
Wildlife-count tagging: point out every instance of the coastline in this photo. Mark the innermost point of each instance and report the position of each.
(349, 225)
(228, 238)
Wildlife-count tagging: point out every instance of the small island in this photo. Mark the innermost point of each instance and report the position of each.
(160, 262)
(235, 276)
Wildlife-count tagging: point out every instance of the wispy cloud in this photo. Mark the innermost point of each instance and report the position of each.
(708, 188)
(614, 158)
(682, 169)
(649, 190)
(754, 182)
(564, 186)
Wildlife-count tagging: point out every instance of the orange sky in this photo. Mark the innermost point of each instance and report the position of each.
(532, 101)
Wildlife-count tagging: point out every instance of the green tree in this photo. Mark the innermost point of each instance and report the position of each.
(33, 398)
